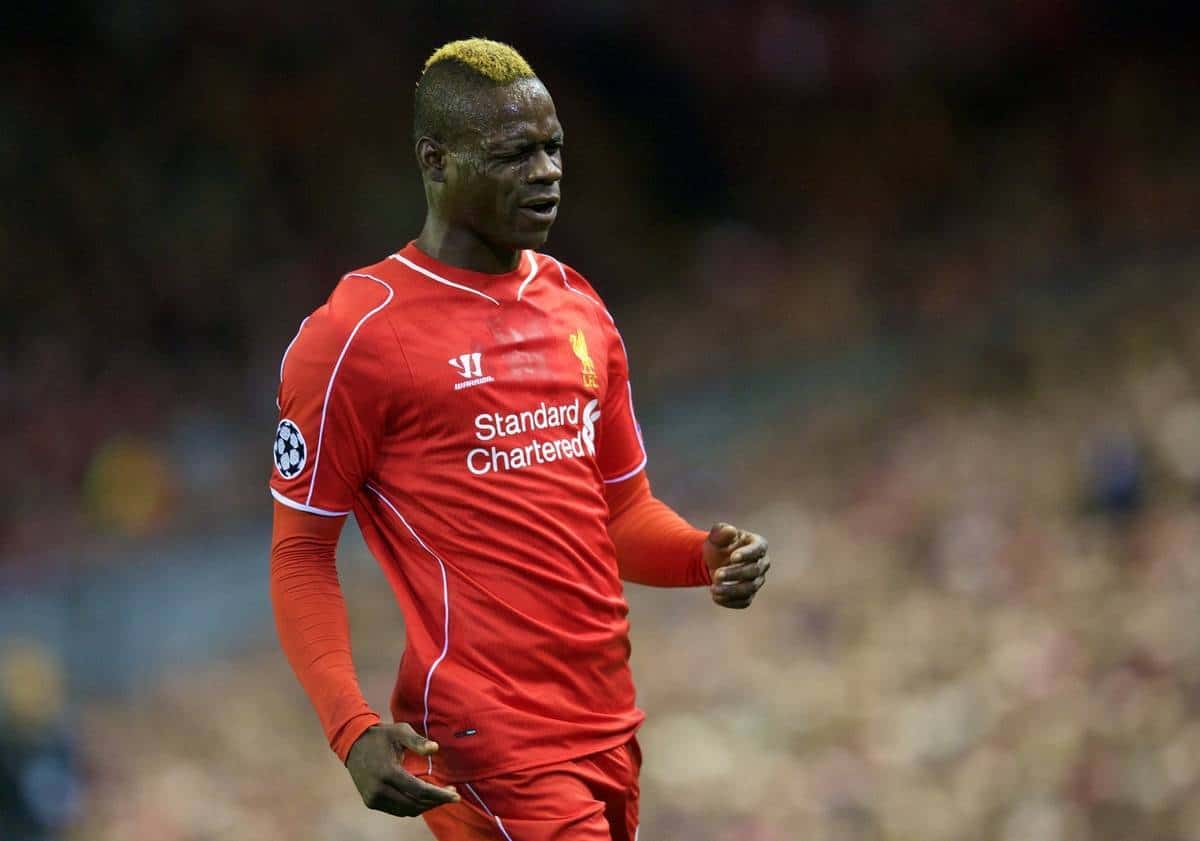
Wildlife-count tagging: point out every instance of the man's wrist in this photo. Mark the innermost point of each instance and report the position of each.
(350, 733)
(701, 563)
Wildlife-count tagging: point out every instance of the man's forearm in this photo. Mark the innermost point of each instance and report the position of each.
(655, 546)
(310, 617)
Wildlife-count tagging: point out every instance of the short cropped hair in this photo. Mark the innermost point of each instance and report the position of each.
(453, 75)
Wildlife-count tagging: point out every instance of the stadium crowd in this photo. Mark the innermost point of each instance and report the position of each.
(949, 304)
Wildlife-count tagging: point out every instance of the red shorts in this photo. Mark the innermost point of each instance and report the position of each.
(593, 798)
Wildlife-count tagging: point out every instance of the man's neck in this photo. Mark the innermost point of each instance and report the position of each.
(463, 249)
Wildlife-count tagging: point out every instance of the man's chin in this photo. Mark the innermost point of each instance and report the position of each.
(531, 239)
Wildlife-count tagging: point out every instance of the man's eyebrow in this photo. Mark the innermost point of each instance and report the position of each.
(525, 137)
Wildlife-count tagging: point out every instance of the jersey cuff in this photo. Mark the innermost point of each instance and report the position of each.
(628, 475)
(350, 732)
(311, 509)
(703, 572)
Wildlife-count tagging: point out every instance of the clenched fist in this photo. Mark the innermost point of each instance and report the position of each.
(737, 561)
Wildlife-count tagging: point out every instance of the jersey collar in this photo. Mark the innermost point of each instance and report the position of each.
(497, 288)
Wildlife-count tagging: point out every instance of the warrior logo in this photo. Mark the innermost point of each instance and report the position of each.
(470, 368)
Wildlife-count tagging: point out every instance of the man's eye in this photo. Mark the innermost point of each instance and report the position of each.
(552, 148)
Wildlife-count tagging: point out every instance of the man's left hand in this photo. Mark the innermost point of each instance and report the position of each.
(737, 561)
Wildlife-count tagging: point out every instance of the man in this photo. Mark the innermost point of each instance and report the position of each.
(468, 399)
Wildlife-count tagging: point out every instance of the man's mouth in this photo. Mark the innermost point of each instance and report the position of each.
(541, 208)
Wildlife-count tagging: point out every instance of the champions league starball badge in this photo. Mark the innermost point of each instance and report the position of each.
(290, 452)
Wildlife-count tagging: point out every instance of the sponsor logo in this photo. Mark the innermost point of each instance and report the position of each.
(588, 368)
(290, 450)
(543, 450)
(470, 367)
(590, 415)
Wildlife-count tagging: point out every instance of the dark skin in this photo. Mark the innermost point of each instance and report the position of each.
(492, 192)
(737, 561)
(479, 185)
(374, 765)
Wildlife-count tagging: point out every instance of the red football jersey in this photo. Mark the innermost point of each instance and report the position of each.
(470, 421)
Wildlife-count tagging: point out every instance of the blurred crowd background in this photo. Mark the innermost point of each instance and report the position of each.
(909, 287)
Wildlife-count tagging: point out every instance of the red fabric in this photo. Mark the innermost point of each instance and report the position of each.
(310, 617)
(593, 798)
(654, 545)
(471, 422)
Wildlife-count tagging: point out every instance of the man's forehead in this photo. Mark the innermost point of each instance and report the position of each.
(521, 110)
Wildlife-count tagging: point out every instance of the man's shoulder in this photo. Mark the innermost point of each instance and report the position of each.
(352, 314)
(359, 297)
(368, 285)
(571, 279)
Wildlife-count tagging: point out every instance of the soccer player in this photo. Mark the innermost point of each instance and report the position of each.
(468, 399)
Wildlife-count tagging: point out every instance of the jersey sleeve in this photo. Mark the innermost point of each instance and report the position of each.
(655, 546)
(335, 396)
(310, 618)
(622, 452)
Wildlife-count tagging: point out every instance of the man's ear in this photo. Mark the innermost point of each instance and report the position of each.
(431, 158)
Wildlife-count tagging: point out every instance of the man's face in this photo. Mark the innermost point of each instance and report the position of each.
(502, 178)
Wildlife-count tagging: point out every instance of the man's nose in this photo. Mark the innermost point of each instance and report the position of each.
(543, 168)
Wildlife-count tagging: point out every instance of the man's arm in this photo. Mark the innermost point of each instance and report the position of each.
(656, 546)
(310, 617)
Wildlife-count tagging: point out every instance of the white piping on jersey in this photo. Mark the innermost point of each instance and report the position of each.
(637, 427)
(631, 473)
(636, 830)
(285, 353)
(299, 506)
(571, 288)
(445, 610)
(312, 480)
(289, 346)
(440, 279)
(494, 817)
(532, 272)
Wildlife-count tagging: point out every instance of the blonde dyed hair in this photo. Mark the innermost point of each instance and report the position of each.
(491, 59)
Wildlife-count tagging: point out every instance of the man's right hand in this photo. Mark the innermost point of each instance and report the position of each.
(374, 764)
